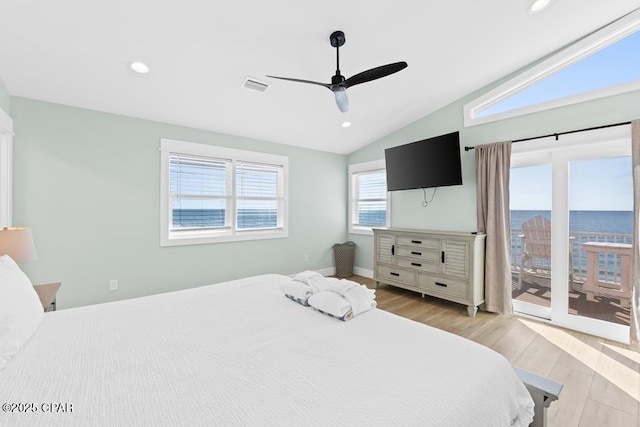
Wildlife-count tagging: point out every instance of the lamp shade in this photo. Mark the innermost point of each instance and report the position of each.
(17, 242)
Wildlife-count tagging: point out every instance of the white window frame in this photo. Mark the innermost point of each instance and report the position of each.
(170, 237)
(591, 44)
(354, 170)
(6, 169)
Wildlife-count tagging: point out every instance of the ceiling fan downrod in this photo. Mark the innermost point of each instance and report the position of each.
(337, 39)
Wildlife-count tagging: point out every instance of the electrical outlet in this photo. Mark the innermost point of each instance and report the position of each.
(113, 285)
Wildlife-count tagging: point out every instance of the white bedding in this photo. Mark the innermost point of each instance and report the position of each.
(240, 353)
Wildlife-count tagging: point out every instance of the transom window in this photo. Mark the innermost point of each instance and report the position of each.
(369, 202)
(603, 64)
(215, 194)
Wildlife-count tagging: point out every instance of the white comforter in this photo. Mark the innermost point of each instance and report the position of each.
(240, 353)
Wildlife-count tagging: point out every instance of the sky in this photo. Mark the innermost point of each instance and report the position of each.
(601, 184)
(615, 64)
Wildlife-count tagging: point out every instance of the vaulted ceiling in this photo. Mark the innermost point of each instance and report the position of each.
(77, 52)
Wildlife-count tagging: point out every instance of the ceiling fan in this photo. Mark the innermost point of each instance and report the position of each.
(339, 84)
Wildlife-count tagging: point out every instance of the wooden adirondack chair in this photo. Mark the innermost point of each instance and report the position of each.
(536, 250)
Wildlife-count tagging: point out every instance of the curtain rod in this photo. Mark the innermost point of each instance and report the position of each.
(556, 135)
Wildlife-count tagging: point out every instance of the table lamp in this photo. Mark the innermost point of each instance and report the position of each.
(17, 242)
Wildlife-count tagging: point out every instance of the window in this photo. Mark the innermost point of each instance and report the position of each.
(6, 149)
(602, 64)
(369, 201)
(214, 194)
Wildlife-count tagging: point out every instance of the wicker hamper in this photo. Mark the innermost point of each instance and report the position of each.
(345, 255)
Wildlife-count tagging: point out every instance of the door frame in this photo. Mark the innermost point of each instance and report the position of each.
(589, 145)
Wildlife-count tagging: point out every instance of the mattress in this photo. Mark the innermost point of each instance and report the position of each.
(240, 353)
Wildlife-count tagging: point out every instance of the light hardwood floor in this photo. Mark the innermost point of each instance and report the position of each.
(601, 378)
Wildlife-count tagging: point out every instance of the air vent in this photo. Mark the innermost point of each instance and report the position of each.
(255, 84)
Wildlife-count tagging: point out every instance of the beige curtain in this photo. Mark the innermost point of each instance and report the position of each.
(493, 162)
(635, 263)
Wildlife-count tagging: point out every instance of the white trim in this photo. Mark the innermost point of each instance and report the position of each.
(6, 123)
(169, 238)
(331, 271)
(367, 166)
(6, 169)
(591, 44)
(363, 272)
(530, 309)
(358, 168)
(326, 272)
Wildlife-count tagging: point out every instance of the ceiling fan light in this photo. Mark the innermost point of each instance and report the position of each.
(341, 98)
(139, 67)
(538, 5)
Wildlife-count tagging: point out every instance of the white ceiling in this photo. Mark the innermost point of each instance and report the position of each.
(76, 52)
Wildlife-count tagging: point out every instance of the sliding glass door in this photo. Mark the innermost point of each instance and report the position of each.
(530, 196)
(571, 204)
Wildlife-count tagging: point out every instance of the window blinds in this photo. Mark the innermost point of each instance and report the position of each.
(199, 192)
(370, 201)
(259, 195)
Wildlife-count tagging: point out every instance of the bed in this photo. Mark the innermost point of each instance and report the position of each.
(240, 353)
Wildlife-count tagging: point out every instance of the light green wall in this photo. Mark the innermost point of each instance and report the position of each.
(454, 208)
(88, 184)
(5, 98)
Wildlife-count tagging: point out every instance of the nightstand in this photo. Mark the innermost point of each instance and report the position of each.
(47, 295)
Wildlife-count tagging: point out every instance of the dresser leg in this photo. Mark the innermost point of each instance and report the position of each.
(472, 310)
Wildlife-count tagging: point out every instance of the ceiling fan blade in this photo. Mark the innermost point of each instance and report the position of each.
(374, 73)
(302, 81)
(341, 98)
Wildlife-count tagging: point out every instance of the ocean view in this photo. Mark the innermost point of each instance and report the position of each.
(584, 221)
(247, 218)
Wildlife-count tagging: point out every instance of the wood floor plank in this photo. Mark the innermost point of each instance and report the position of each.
(514, 342)
(493, 329)
(598, 415)
(617, 389)
(582, 353)
(567, 411)
(539, 357)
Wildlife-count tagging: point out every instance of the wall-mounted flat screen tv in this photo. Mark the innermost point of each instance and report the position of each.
(433, 162)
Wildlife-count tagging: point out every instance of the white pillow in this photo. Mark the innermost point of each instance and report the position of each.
(20, 309)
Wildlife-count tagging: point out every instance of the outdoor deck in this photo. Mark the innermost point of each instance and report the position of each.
(604, 308)
(597, 259)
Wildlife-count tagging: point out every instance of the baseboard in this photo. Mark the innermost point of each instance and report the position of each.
(363, 272)
(330, 271)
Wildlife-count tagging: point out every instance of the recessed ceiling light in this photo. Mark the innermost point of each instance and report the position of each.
(537, 5)
(346, 124)
(139, 67)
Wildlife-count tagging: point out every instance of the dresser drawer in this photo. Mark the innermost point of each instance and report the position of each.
(420, 264)
(397, 274)
(439, 284)
(425, 254)
(418, 241)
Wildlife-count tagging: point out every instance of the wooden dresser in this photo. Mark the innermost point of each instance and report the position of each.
(447, 265)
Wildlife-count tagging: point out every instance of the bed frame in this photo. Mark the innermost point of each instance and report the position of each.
(543, 391)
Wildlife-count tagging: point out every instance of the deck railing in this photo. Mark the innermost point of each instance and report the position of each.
(609, 264)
